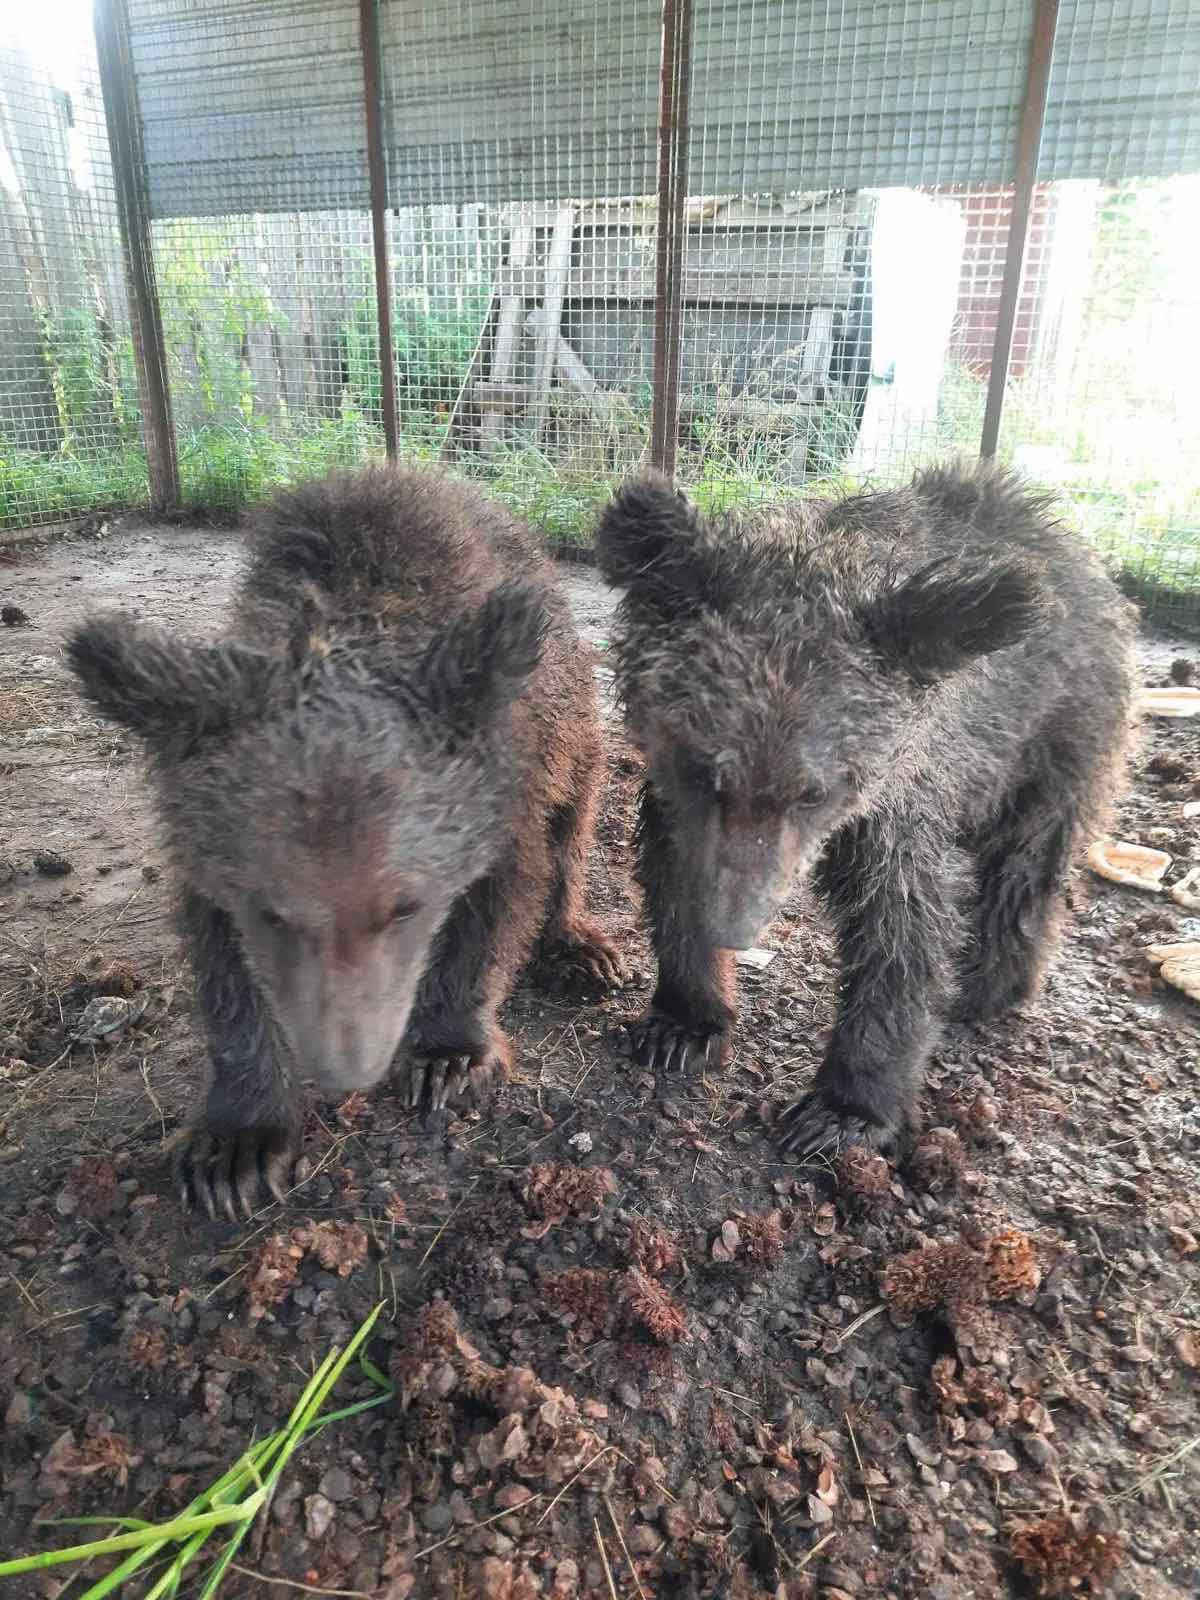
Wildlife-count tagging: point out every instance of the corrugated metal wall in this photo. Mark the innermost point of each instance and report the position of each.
(256, 105)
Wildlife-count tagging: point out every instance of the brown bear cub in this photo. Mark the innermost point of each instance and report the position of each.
(921, 695)
(379, 789)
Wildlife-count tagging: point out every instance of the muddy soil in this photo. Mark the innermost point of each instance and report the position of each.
(636, 1353)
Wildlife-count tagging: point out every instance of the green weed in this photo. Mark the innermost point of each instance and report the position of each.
(228, 1506)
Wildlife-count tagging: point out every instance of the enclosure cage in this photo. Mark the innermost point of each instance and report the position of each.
(775, 248)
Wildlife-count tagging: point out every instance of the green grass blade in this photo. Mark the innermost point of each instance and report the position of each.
(152, 1536)
(169, 1583)
(222, 1563)
(221, 1505)
(92, 1522)
(371, 1371)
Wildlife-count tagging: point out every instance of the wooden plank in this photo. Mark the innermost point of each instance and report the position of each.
(508, 327)
(514, 398)
(573, 372)
(699, 287)
(530, 216)
(497, 399)
(818, 344)
(557, 267)
(739, 250)
(796, 216)
(781, 412)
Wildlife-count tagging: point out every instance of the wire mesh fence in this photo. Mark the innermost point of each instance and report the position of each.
(70, 424)
(849, 194)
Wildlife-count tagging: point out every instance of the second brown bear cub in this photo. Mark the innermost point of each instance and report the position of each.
(379, 790)
(923, 697)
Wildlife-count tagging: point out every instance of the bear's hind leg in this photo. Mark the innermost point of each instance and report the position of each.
(1023, 856)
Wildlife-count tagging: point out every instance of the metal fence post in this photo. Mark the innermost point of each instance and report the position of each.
(674, 97)
(368, 22)
(1029, 140)
(133, 209)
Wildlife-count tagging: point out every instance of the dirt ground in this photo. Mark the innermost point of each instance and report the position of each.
(636, 1353)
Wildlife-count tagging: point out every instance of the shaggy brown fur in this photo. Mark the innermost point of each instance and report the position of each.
(379, 789)
(924, 696)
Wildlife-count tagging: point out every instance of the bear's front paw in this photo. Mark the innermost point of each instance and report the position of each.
(441, 1077)
(664, 1044)
(590, 953)
(813, 1125)
(220, 1169)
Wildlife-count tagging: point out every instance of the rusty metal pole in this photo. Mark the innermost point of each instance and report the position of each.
(683, 86)
(368, 26)
(1029, 142)
(672, 193)
(123, 120)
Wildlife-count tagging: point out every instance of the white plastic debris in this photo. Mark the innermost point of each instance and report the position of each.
(581, 1142)
(1133, 864)
(760, 960)
(1184, 893)
(1178, 965)
(1169, 702)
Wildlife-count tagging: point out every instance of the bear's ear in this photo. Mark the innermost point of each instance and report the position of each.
(937, 620)
(648, 541)
(168, 691)
(477, 666)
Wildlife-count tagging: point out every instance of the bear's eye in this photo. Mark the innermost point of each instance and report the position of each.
(813, 794)
(273, 920)
(404, 911)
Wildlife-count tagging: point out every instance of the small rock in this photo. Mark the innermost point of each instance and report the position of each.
(644, 1540)
(998, 1461)
(399, 1588)
(727, 1243)
(629, 1396)
(318, 1516)
(921, 1452)
(1039, 1450)
(675, 1521)
(20, 1411)
(566, 1577)
(438, 1518)
(51, 864)
(337, 1485)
